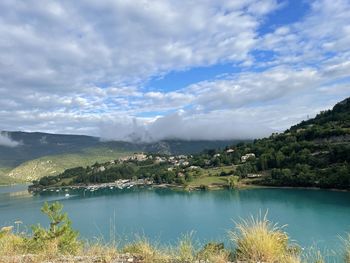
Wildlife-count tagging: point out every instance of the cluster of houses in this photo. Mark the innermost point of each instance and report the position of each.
(179, 160)
(139, 157)
(182, 161)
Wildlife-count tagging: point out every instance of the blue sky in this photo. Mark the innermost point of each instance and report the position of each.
(171, 69)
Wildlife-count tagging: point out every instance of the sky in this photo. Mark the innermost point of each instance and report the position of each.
(163, 69)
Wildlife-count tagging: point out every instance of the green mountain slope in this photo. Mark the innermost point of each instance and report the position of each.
(36, 145)
(56, 164)
(314, 153)
(43, 154)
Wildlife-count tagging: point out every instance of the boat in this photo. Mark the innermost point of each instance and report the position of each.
(66, 195)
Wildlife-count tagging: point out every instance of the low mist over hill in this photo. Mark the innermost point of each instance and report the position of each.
(25, 156)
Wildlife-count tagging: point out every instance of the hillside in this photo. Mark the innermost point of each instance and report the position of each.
(43, 154)
(315, 153)
(56, 164)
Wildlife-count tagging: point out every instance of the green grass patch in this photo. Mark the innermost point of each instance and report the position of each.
(208, 181)
(215, 171)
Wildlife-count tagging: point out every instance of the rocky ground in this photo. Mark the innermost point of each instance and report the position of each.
(124, 258)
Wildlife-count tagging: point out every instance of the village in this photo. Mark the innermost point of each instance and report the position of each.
(159, 170)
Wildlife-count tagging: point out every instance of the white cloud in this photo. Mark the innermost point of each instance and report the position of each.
(81, 67)
(5, 140)
(117, 41)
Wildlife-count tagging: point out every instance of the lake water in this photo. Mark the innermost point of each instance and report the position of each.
(313, 217)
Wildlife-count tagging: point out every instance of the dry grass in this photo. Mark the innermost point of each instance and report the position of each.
(10, 244)
(213, 255)
(18, 248)
(150, 253)
(185, 251)
(346, 242)
(314, 255)
(106, 253)
(259, 240)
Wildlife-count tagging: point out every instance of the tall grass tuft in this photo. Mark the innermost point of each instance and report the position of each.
(105, 251)
(346, 242)
(214, 253)
(259, 240)
(186, 251)
(10, 243)
(150, 253)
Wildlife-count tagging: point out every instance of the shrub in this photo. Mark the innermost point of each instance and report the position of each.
(215, 253)
(148, 252)
(258, 240)
(60, 236)
(186, 250)
(203, 187)
(10, 243)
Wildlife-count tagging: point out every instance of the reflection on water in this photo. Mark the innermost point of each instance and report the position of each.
(13, 188)
(313, 216)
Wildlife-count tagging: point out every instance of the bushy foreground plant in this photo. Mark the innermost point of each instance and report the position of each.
(258, 240)
(149, 253)
(60, 236)
(10, 244)
(214, 252)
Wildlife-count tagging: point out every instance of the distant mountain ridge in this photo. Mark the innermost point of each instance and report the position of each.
(37, 144)
(39, 152)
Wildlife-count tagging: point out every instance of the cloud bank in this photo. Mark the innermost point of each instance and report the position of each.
(101, 67)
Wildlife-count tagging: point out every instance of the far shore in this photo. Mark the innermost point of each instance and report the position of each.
(212, 187)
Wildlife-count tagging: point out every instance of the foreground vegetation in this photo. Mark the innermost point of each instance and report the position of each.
(254, 240)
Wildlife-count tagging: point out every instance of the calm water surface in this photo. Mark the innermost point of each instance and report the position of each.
(313, 217)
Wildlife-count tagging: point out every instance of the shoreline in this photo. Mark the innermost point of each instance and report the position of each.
(314, 188)
(132, 184)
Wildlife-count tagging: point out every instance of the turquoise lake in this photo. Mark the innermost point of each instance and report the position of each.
(313, 217)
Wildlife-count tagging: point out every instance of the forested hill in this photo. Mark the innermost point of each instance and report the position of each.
(335, 121)
(315, 152)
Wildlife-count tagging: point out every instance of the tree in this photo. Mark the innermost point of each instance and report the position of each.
(263, 162)
(279, 158)
(60, 232)
(232, 182)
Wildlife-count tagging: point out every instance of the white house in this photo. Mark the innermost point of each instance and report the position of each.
(247, 156)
